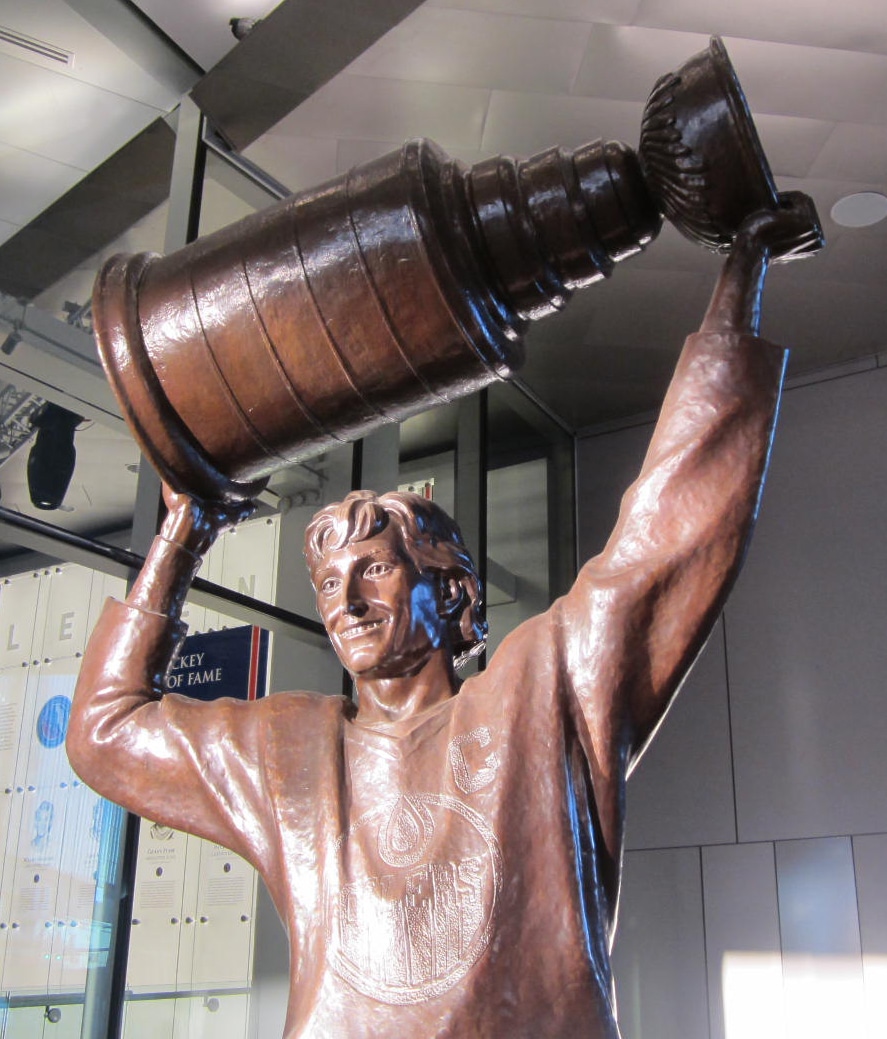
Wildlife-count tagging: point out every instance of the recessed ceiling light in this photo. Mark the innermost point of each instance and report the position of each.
(860, 210)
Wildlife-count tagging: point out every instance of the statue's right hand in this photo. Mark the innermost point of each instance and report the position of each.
(791, 231)
(195, 523)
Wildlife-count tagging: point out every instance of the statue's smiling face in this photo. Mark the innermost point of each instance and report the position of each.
(381, 612)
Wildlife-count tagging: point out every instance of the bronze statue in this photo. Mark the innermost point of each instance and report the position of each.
(446, 857)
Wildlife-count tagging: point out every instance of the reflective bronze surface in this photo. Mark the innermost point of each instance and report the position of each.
(446, 857)
(405, 283)
(700, 150)
(402, 284)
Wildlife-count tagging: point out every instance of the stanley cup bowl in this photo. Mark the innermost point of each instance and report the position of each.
(700, 152)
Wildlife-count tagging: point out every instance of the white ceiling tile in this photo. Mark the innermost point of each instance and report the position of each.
(355, 153)
(856, 256)
(860, 25)
(813, 82)
(488, 50)
(792, 145)
(582, 10)
(522, 124)
(60, 118)
(854, 152)
(624, 62)
(837, 322)
(778, 79)
(220, 206)
(672, 251)
(96, 59)
(297, 162)
(637, 306)
(625, 354)
(391, 110)
(29, 183)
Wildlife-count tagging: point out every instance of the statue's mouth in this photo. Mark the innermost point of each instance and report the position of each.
(356, 630)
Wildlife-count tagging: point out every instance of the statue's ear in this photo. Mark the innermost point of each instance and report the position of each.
(452, 596)
(459, 599)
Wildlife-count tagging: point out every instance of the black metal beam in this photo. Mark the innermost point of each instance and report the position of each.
(39, 536)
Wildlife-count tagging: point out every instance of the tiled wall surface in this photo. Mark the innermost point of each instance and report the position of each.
(754, 899)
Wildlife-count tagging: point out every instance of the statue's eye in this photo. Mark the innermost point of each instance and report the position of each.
(330, 585)
(375, 571)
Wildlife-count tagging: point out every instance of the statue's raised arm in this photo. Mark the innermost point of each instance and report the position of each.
(641, 610)
(125, 739)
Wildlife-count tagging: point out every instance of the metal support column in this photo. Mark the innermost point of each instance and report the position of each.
(106, 981)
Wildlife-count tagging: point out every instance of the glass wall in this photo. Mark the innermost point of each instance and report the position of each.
(60, 840)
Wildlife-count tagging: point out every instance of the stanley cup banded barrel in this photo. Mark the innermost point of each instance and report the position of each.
(405, 283)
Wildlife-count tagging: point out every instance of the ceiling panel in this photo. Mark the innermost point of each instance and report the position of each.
(861, 25)
(814, 82)
(838, 321)
(624, 62)
(671, 251)
(792, 145)
(854, 152)
(448, 46)
(60, 118)
(581, 10)
(353, 153)
(525, 123)
(855, 257)
(97, 60)
(391, 110)
(633, 306)
(297, 162)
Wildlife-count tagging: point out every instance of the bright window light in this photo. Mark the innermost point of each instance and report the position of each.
(768, 996)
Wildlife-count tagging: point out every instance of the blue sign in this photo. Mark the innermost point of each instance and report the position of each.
(233, 662)
(52, 722)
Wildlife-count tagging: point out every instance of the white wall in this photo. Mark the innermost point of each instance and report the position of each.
(754, 900)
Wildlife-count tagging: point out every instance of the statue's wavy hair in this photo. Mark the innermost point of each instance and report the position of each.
(431, 539)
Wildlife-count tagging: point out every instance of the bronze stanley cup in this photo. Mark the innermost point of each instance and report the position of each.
(405, 283)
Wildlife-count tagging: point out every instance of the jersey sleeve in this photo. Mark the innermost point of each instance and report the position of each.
(639, 613)
(191, 765)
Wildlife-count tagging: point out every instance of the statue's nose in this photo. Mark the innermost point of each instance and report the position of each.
(355, 604)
